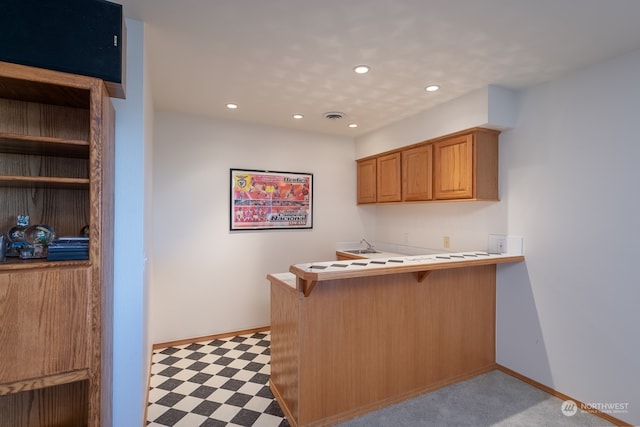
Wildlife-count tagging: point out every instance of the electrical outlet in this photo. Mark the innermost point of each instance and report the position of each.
(497, 243)
(446, 242)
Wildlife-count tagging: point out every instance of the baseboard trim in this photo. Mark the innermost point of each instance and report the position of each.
(562, 396)
(209, 337)
(283, 405)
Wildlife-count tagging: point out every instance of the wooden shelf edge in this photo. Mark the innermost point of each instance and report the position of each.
(46, 86)
(6, 137)
(30, 264)
(43, 382)
(43, 181)
(43, 145)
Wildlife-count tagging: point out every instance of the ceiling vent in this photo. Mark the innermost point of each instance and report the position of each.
(333, 115)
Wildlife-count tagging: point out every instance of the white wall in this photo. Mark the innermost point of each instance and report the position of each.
(467, 224)
(490, 107)
(133, 144)
(568, 317)
(209, 280)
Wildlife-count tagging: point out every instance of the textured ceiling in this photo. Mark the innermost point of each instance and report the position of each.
(275, 58)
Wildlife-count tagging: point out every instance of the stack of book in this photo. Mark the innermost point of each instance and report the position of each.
(68, 248)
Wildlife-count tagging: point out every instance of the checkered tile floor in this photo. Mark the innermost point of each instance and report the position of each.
(223, 382)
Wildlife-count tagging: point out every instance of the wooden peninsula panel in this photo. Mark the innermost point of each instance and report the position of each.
(355, 344)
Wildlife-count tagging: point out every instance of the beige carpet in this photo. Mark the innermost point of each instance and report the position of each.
(492, 399)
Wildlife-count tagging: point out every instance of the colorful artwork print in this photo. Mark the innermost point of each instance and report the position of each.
(270, 200)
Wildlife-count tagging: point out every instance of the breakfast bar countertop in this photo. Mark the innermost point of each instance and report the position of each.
(308, 274)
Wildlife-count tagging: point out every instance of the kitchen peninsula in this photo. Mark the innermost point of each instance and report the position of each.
(349, 337)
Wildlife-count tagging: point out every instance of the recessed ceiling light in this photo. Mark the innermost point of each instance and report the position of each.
(298, 116)
(232, 106)
(353, 125)
(432, 88)
(361, 69)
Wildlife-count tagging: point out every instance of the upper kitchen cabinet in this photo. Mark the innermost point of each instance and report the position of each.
(466, 166)
(459, 166)
(367, 181)
(417, 173)
(388, 178)
(379, 179)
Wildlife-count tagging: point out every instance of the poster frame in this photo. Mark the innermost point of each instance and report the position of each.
(258, 198)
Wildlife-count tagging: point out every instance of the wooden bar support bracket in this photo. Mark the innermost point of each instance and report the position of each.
(422, 275)
(305, 286)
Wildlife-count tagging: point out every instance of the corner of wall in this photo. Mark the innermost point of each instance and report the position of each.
(502, 108)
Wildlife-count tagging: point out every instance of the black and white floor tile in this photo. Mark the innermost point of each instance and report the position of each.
(224, 382)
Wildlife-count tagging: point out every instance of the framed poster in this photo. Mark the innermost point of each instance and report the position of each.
(262, 200)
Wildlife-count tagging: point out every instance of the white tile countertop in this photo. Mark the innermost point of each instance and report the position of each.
(388, 259)
(308, 274)
(383, 260)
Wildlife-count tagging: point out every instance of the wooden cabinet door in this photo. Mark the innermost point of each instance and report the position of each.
(389, 187)
(417, 172)
(45, 322)
(367, 181)
(454, 168)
